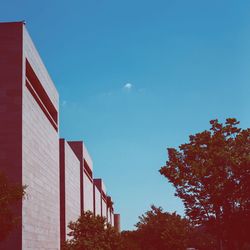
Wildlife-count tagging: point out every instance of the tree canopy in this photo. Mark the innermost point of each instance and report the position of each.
(162, 230)
(92, 232)
(157, 229)
(211, 174)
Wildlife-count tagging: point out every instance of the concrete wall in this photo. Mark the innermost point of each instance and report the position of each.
(70, 187)
(29, 148)
(35, 60)
(109, 216)
(40, 161)
(104, 208)
(88, 193)
(76, 146)
(112, 219)
(87, 157)
(102, 189)
(97, 201)
(117, 222)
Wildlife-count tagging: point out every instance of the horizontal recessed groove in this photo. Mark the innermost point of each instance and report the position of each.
(88, 175)
(40, 103)
(87, 169)
(104, 196)
(38, 92)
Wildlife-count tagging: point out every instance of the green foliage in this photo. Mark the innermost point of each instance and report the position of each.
(10, 195)
(211, 175)
(201, 238)
(159, 230)
(130, 240)
(92, 232)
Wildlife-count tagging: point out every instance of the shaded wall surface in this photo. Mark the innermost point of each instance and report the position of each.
(117, 222)
(11, 70)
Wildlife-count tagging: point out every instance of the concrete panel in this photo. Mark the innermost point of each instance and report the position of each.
(86, 166)
(97, 201)
(117, 222)
(104, 208)
(81, 152)
(112, 219)
(109, 216)
(87, 157)
(41, 174)
(72, 186)
(88, 193)
(76, 146)
(35, 60)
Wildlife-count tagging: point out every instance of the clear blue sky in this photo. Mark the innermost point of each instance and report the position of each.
(138, 76)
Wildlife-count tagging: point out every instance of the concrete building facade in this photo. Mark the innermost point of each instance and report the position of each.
(103, 196)
(29, 137)
(59, 174)
(70, 198)
(97, 201)
(86, 172)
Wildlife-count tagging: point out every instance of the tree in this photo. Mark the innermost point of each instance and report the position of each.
(201, 238)
(130, 240)
(211, 174)
(10, 195)
(162, 230)
(92, 232)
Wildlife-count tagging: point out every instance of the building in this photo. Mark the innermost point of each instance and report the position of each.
(29, 137)
(117, 222)
(70, 187)
(110, 211)
(59, 174)
(86, 172)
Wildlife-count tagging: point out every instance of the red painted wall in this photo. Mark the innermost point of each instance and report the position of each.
(11, 67)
